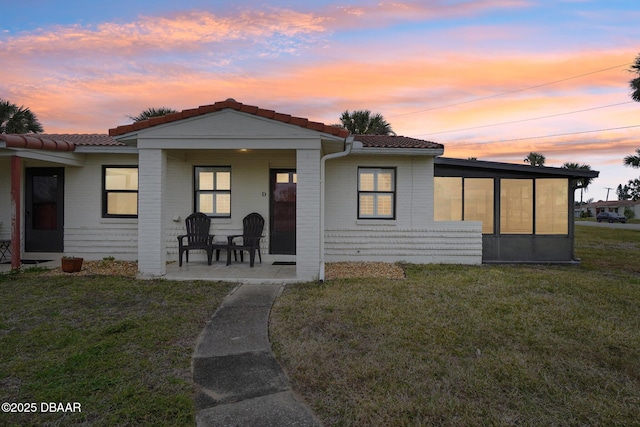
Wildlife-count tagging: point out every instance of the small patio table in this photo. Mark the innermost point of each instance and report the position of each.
(223, 246)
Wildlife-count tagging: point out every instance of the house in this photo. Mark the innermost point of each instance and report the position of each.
(618, 206)
(326, 195)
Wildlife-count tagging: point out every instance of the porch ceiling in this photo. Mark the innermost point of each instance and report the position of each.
(45, 158)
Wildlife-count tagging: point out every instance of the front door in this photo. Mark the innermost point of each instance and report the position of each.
(44, 210)
(282, 227)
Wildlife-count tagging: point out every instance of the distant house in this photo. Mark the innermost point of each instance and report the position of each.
(326, 195)
(618, 206)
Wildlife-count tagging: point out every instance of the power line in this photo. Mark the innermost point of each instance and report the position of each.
(512, 91)
(527, 120)
(548, 136)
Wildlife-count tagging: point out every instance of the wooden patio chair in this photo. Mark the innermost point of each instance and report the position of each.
(198, 237)
(252, 226)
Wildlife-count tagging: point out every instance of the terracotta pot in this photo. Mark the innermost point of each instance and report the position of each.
(71, 265)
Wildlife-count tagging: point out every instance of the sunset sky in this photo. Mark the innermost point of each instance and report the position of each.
(492, 79)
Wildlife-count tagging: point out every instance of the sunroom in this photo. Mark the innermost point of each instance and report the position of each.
(527, 212)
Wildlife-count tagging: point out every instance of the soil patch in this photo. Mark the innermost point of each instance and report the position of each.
(351, 270)
(102, 268)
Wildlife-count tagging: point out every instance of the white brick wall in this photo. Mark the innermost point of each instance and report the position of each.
(86, 233)
(456, 242)
(412, 237)
(151, 244)
(308, 214)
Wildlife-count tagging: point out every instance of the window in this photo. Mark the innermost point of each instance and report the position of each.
(376, 193)
(516, 206)
(478, 202)
(468, 199)
(120, 191)
(552, 207)
(448, 199)
(213, 190)
(472, 199)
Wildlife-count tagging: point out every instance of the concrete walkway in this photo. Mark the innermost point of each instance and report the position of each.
(240, 382)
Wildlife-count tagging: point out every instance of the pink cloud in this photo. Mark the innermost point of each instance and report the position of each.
(88, 79)
(389, 12)
(185, 31)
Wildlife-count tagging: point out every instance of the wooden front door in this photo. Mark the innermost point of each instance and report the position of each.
(44, 210)
(282, 224)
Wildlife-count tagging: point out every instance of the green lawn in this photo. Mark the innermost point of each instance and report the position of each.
(450, 345)
(473, 346)
(119, 347)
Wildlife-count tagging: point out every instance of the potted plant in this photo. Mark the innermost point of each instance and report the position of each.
(71, 264)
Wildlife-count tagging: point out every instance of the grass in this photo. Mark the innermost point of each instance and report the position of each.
(120, 347)
(473, 345)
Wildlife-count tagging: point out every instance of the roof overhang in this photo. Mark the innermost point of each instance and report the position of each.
(33, 142)
(114, 149)
(512, 167)
(55, 157)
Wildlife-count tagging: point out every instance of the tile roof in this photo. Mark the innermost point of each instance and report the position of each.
(68, 142)
(36, 141)
(389, 141)
(85, 139)
(57, 141)
(234, 105)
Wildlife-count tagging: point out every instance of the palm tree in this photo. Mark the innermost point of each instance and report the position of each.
(362, 122)
(633, 161)
(634, 84)
(14, 119)
(152, 112)
(583, 183)
(535, 159)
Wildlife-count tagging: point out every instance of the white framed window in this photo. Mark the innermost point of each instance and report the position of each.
(213, 190)
(376, 193)
(120, 191)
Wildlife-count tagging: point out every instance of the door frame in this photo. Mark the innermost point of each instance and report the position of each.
(272, 217)
(49, 240)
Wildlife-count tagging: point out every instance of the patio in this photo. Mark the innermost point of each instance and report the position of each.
(236, 272)
(199, 270)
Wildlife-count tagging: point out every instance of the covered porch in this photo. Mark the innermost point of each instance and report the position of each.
(228, 161)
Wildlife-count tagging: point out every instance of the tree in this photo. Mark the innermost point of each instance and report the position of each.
(152, 112)
(630, 191)
(634, 84)
(14, 119)
(362, 122)
(535, 159)
(583, 183)
(633, 161)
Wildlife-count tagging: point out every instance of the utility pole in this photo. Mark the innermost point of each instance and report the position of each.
(608, 189)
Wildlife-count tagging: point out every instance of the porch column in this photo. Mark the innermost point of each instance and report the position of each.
(308, 214)
(16, 174)
(152, 252)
